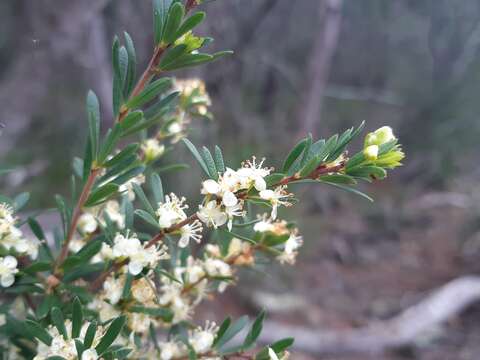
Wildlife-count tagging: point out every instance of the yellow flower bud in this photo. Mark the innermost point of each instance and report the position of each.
(371, 152)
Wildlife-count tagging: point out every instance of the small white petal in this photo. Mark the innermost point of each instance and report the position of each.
(135, 267)
(229, 199)
(7, 280)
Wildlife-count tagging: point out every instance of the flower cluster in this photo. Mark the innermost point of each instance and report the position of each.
(200, 339)
(230, 190)
(65, 347)
(11, 237)
(139, 256)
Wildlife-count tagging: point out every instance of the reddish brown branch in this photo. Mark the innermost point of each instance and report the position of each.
(76, 215)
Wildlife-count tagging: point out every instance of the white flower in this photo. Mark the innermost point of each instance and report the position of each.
(231, 211)
(90, 354)
(171, 211)
(8, 269)
(190, 231)
(113, 289)
(171, 350)
(212, 215)
(276, 198)
(139, 256)
(139, 322)
(143, 290)
(87, 223)
(217, 268)
(210, 187)
(253, 174)
(152, 149)
(229, 199)
(293, 243)
(202, 339)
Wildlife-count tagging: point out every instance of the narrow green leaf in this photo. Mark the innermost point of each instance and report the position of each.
(111, 139)
(255, 331)
(132, 64)
(172, 55)
(111, 334)
(126, 153)
(132, 119)
(219, 163)
(37, 330)
(149, 93)
(59, 321)
(101, 194)
(233, 330)
(20, 201)
(90, 335)
(149, 219)
(210, 163)
(294, 154)
(174, 18)
(188, 60)
(93, 114)
(190, 23)
(143, 199)
(221, 331)
(77, 318)
(157, 188)
(196, 155)
(349, 189)
(160, 13)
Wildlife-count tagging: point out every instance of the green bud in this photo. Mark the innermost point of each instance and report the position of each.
(379, 136)
(371, 152)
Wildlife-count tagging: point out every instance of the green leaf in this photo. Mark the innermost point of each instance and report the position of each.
(123, 64)
(255, 331)
(149, 219)
(59, 322)
(190, 23)
(233, 330)
(132, 64)
(349, 189)
(37, 330)
(241, 237)
(338, 179)
(149, 93)
(188, 60)
(38, 266)
(111, 139)
(173, 167)
(132, 119)
(93, 114)
(157, 188)
(172, 24)
(196, 155)
(101, 194)
(310, 166)
(127, 208)
(210, 163)
(219, 163)
(64, 212)
(126, 153)
(127, 286)
(172, 55)
(111, 334)
(220, 54)
(368, 172)
(160, 13)
(117, 94)
(143, 199)
(77, 318)
(20, 200)
(294, 154)
(221, 331)
(80, 348)
(278, 347)
(87, 160)
(89, 250)
(70, 262)
(90, 335)
(129, 174)
(163, 313)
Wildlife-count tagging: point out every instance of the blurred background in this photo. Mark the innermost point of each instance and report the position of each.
(300, 66)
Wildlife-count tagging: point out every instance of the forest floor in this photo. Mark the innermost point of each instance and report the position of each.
(377, 265)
